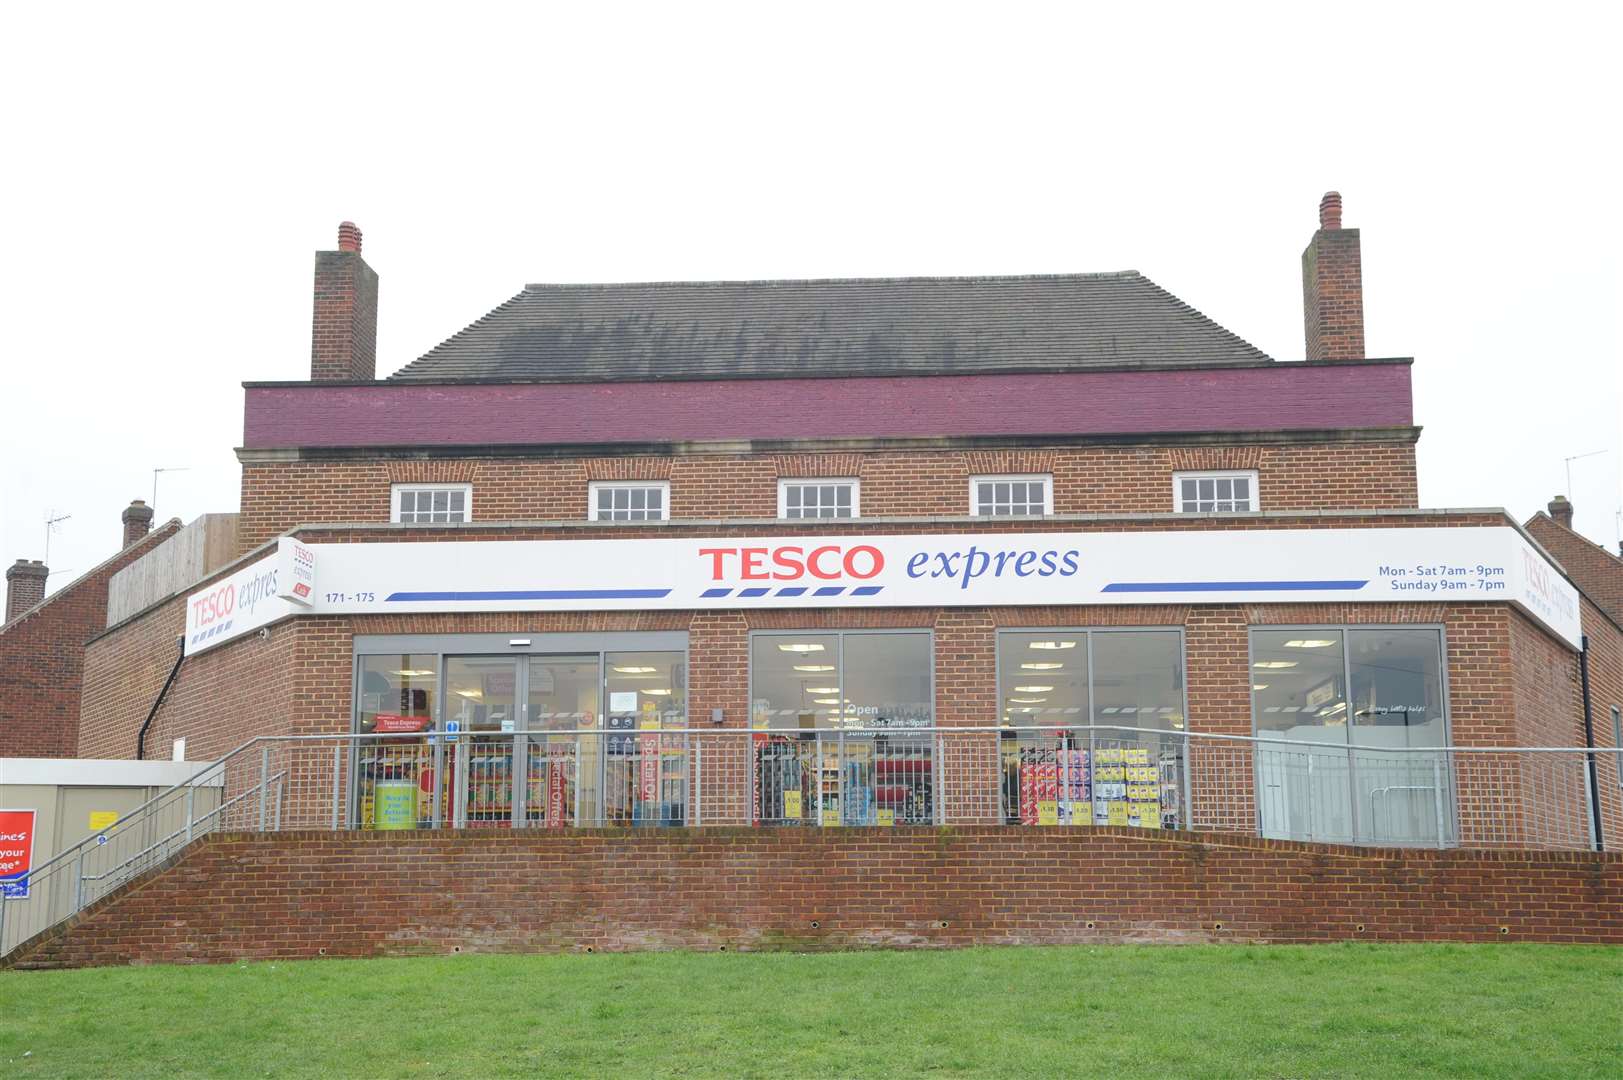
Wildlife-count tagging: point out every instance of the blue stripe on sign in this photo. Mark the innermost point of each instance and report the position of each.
(866, 590)
(756, 591)
(716, 592)
(829, 590)
(534, 594)
(792, 590)
(1234, 586)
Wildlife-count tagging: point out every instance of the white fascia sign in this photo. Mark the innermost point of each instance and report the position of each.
(1186, 566)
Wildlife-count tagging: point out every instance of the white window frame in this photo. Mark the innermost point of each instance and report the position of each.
(786, 482)
(1249, 475)
(1047, 480)
(394, 502)
(662, 486)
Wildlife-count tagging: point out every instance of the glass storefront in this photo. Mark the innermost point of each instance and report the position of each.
(1370, 703)
(1092, 718)
(838, 708)
(502, 743)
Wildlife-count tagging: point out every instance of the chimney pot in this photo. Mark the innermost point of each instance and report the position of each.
(1561, 510)
(25, 586)
(349, 236)
(1329, 211)
(137, 518)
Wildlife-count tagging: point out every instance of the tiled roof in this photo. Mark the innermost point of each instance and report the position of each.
(789, 329)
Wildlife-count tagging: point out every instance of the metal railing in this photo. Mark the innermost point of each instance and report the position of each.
(1515, 797)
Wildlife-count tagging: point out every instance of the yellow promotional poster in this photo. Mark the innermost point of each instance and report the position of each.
(791, 805)
(102, 819)
(831, 817)
(1149, 817)
(886, 817)
(1047, 812)
(1118, 813)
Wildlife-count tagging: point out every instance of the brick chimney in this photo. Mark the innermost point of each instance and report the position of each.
(1561, 511)
(137, 521)
(344, 330)
(25, 586)
(1333, 287)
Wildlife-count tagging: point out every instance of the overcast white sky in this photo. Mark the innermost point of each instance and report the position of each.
(169, 171)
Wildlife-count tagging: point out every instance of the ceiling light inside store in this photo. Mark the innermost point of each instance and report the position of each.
(814, 667)
(469, 693)
(822, 689)
(636, 670)
(1034, 689)
(1310, 643)
(659, 693)
(415, 673)
(1274, 664)
(1259, 686)
(826, 700)
(1029, 700)
(801, 647)
(1053, 644)
(1041, 666)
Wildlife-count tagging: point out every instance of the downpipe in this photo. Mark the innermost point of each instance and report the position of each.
(1589, 742)
(141, 736)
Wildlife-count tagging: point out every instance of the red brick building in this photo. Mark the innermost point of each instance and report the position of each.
(1069, 517)
(42, 642)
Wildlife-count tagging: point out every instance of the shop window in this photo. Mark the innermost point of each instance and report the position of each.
(1010, 496)
(817, 498)
(1214, 492)
(1091, 721)
(1617, 743)
(432, 504)
(1361, 709)
(843, 712)
(630, 502)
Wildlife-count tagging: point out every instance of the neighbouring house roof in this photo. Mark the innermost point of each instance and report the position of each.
(1596, 571)
(834, 327)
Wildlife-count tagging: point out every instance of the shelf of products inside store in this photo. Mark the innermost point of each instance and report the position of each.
(1107, 785)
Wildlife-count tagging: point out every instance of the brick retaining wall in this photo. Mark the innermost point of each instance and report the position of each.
(366, 894)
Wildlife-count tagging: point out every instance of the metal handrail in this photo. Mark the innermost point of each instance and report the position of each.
(693, 740)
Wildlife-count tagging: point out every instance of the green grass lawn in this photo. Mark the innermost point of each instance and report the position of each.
(1388, 1011)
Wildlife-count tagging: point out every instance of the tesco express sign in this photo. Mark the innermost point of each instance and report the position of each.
(254, 596)
(1182, 566)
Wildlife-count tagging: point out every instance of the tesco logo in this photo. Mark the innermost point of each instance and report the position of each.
(215, 605)
(793, 562)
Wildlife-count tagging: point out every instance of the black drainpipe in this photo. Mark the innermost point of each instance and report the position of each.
(180, 643)
(1589, 742)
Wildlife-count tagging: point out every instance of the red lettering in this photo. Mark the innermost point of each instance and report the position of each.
(876, 561)
(717, 555)
(812, 563)
(751, 569)
(787, 560)
(215, 605)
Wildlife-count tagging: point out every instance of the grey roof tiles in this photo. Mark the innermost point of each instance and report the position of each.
(789, 329)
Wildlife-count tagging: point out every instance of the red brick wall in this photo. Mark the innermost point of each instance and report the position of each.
(42, 659)
(234, 897)
(1352, 476)
(220, 699)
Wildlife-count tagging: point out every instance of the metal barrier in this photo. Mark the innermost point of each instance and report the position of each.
(1506, 797)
